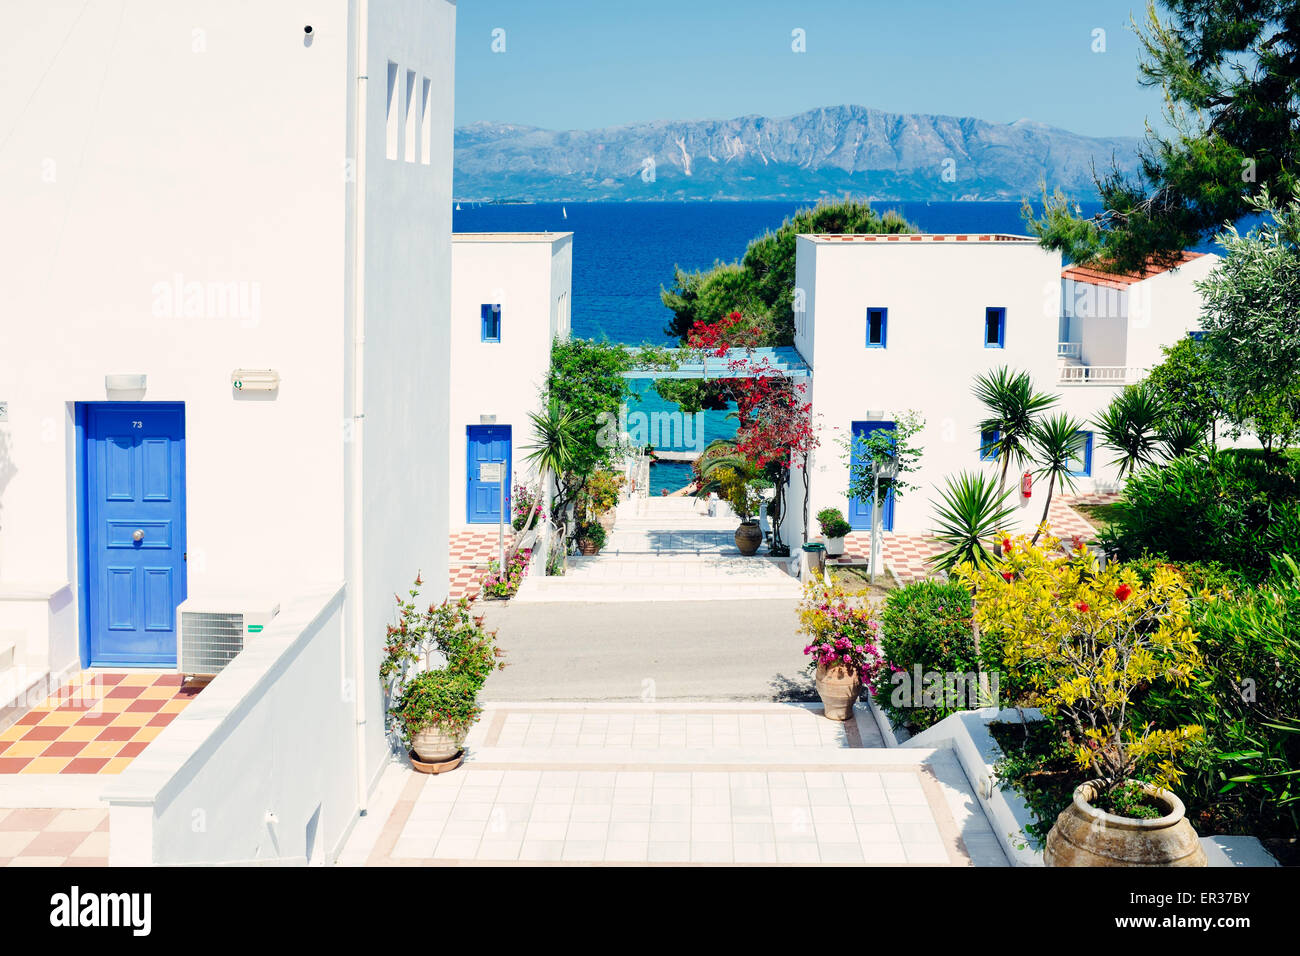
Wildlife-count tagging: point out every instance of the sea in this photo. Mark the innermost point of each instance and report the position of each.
(625, 253)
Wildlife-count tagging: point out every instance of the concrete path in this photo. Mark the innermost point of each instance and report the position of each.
(678, 784)
(667, 549)
(633, 651)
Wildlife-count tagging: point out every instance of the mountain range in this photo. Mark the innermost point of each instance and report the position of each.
(822, 152)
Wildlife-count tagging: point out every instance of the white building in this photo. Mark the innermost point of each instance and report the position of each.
(199, 196)
(510, 299)
(891, 323)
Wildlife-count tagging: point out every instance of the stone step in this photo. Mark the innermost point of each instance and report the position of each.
(601, 590)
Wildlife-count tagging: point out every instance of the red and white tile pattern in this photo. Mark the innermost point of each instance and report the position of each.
(45, 837)
(97, 723)
(470, 551)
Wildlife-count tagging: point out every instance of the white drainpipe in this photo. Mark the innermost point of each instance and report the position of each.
(355, 575)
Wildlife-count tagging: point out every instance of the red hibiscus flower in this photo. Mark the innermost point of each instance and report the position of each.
(1082, 607)
(1123, 592)
(1007, 575)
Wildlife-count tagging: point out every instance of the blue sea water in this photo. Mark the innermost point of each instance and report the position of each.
(623, 253)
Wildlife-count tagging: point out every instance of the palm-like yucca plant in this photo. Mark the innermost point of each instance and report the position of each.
(972, 510)
(1131, 426)
(1013, 407)
(1056, 440)
(556, 430)
(1180, 436)
(721, 453)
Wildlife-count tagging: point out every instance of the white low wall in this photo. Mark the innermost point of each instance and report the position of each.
(261, 767)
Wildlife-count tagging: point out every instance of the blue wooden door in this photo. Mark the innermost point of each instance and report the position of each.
(135, 531)
(483, 498)
(860, 508)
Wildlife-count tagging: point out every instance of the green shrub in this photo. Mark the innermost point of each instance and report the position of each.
(1241, 778)
(925, 624)
(437, 697)
(833, 523)
(1200, 575)
(1234, 509)
(593, 532)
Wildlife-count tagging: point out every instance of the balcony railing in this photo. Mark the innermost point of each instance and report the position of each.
(1068, 350)
(1099, 374)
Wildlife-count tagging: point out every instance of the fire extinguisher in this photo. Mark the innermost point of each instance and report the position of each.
(1026, 485)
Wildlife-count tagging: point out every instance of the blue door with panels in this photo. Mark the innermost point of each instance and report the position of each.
(860, 508)
(487, 443)
(134, 485)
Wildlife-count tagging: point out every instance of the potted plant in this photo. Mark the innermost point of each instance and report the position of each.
(431, 708)
(743, 492)
(842, 632)
(591, 538)
(1092, 642)
(834, 528)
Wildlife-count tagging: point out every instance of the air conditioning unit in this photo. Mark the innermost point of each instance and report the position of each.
(213, 630)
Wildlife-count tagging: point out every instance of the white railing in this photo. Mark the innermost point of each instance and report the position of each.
(1068, 349)
(1099, 374)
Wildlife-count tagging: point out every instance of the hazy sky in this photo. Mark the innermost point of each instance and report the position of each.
(577, 64)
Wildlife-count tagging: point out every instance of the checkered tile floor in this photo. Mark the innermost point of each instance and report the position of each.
(98, 723)
(470, 551)
(41, 837)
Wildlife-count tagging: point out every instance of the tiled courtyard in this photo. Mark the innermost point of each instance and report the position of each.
(682, 784)
(96, 724)
(470, 550)
(43, 837)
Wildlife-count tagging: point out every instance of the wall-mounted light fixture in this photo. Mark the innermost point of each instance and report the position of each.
(125, 387)
(255, 379)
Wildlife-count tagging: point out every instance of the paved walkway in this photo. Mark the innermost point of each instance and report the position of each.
(686, 784)
(48, 837)
(667, 549)
(679, 650)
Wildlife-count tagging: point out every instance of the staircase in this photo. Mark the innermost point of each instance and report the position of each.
(668, 549)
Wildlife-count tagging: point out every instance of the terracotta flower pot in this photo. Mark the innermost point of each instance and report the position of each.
(587, 546)
(1086, 836)
(839, 687)
(748, 537)
(433, 744)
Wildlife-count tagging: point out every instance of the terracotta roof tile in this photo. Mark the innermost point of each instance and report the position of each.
(1122, 280)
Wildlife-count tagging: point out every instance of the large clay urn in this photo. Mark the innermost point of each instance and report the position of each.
(839, 687)
(433, 744)
(1086, 836)
(748, 537)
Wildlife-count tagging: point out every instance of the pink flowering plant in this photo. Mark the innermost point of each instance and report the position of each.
(841, 628)
(502, 586)
(522, 501)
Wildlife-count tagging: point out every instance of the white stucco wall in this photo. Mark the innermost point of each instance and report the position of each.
(200, 145)
(529, 275)
(405, 257)
(1164, 308)
(936, 293)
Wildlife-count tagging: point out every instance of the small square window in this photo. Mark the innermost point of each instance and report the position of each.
(995, 328)
(877, 328)
(988, 439)
(491, 316)
(1081, 461)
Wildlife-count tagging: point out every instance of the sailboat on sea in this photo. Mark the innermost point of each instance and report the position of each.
(564, 212)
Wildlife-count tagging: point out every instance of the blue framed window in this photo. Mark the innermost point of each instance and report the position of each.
(1196, 335)
(995, 328)
(1081, 460)
(491, 316)
(877, 328)
(988, 439)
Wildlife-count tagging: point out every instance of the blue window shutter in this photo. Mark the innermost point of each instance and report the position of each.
(490, 316)
(995, 328)
(987, 439)
(877, 328)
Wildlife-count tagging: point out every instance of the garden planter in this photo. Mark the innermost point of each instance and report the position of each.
(435, 745)
(748, 537)
(587, 546)
(839, 688)
(834, 547)
(607, 520)
(1086, 836)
